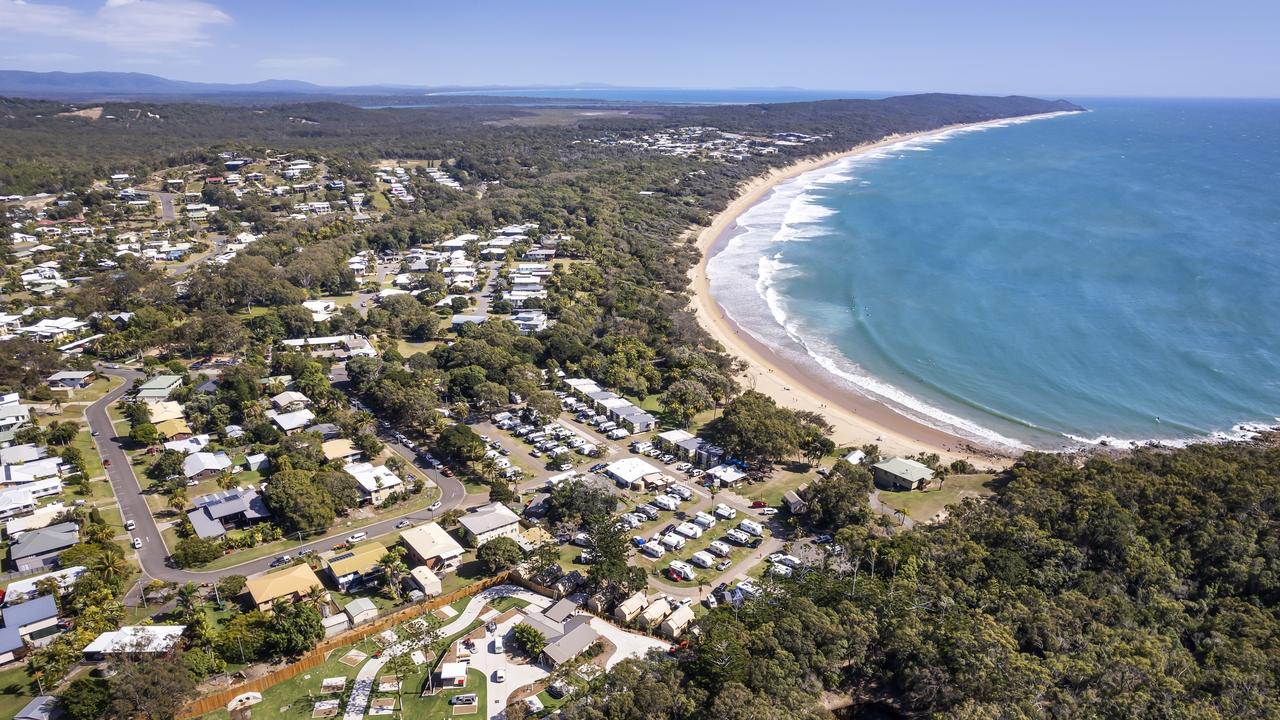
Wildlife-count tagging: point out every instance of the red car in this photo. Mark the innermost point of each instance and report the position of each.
(759, 504)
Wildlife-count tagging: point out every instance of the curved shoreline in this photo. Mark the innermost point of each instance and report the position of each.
(856, 418)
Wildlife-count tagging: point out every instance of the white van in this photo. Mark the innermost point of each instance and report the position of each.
(641, 447)
(751, 527)
(666, 502)
(719, 548)
(724, 512)
(653, 550)
(689, 530)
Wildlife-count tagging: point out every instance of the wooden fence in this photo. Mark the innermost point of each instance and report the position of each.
(320, 653)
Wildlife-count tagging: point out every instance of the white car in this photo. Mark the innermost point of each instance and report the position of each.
(768, 511)
(434, 506)
(357, 537)
(129, 525)
(682, 467)
(137, 543)
(499, 675)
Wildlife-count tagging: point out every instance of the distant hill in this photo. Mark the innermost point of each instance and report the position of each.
(22, 83)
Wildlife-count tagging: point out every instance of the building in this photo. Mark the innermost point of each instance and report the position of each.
(628, 609)
(289, 586)
(570, 645)
(174, 429)
(377, 482)
(135, 639)
(795, 503)
(657, 611)
(203, 465)
(291, 422)
(44, 707)
(677, 622)
(25, 589)
(39, 549)
(70, 379)
(289, 401)
(352, 567)
(429, 545)
(16, 502)
(164, 411)
(725, 475)
(340, 449)
(901, 474)
(631, 471)
(25, 624)
(687, 446)
(489, 522)
(215, 511)
(42, 516)
(361, 610)
(427, 581)
(20, 454)
(158, 388)
(188, 445)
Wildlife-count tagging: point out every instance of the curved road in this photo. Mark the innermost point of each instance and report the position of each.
(153, 555)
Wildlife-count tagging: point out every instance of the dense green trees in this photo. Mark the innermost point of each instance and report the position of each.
(1137, 587)
(499, 554)
(304, 501)
(195, 551)
(529, 639)
(576, 501)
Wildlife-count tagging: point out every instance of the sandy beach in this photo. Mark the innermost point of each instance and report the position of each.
(856, 418)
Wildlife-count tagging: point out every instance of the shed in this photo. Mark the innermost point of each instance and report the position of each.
(361, 610)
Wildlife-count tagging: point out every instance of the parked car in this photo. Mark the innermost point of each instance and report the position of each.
(723, 565)
(499, 675)
(434, 506)
(768, 511)
(598, 467)
(281, 560)
(357, 537)
(759, 504)
(137, 542)
(403, 524)
(129, 525)
(468, 699)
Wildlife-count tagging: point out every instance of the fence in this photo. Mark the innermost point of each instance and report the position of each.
(320, 653)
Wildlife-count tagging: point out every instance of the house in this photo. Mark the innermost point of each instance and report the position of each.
(39, 548)
(426, 580)
(351, 567)
(291, 422)
(290, 400)
(70, 379)
(25, 453)
(340, 449)
(453, 675)
(16, 502)
(491, 521)
(326, 431)
(655, 613)
(289, 586)
(628, 609)
(629, 472)
(256, 462)
(725, 475)
(25, 589)
(901, 474)
(164, 411)
(44, 707)
(377, 482)
(175, 429)
(795, 503)
(335, 346)
(429, 545)
(158, 388)
(189, 445)
(686, 446)
(570, 645)
(42, 516)
(202, 465)
(361, 610)
(215, 511)
(677, 622)
(320, 310)
(33, 622)
(855, 457)
(31, 472)
(13, 415)
(562, 610)
(135, 639)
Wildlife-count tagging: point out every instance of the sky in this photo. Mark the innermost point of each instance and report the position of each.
(1083, 48)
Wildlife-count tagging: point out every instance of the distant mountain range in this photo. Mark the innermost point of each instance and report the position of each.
(83, 86)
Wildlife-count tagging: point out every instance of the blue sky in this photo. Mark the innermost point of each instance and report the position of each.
(1078, 48)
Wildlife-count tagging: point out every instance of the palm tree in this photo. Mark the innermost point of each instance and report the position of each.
(394, 570)
(110, 566)
(178, 501)
(188, 601)
(226, 480)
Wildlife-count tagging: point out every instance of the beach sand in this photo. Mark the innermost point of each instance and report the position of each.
(857, 419)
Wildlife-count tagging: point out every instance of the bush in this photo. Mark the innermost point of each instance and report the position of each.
(195, 551)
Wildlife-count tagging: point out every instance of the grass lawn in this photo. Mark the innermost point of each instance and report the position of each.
(469, 571)
(772, 490)
(92, 461)
(437, 706)
(507, 602)
(16, 690)
(923, 506)
(406, 348)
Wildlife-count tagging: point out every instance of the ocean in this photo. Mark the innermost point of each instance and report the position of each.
(1109, 277)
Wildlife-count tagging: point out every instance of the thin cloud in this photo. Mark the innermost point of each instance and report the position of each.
(137, 26)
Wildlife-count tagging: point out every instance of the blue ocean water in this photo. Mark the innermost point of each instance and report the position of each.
(1110, 276)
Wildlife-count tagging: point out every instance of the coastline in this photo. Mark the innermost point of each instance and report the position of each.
(856, 418)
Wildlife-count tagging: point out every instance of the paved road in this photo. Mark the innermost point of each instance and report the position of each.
(167, 212)
(153, 555)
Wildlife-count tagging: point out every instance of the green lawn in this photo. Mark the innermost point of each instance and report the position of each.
(437, 706)
(772, 490)
(16, 690)
(922, 506)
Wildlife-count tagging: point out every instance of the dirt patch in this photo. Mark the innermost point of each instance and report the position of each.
(93, 113)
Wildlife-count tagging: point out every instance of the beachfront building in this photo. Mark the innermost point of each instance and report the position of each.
(901, 474)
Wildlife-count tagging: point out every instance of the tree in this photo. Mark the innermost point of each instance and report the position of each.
(686, 398)
(393, 571)
(167, 465)
(295, 628)
(297, 503)
(86, 699)
(575, 500)
(146, 685)
(62, 433)
(755, 429)
(529, 639)
(195, 551)
(499, 554)
(231, 585)
(144, 434)
(461, 443)
(839, 499)
(545, 404)
(609, 548)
